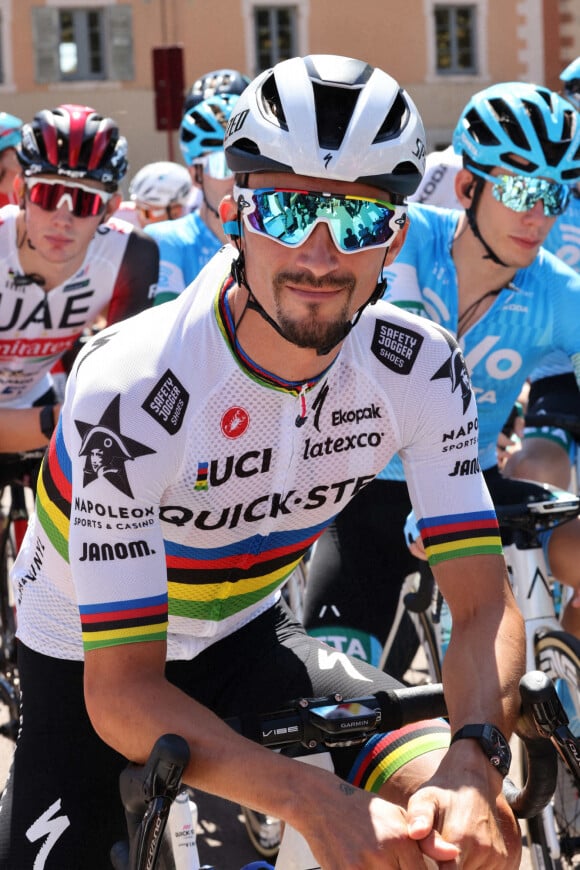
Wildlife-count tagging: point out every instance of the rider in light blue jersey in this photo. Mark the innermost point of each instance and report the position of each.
(482, 274)
(548, 453)
(188, 243)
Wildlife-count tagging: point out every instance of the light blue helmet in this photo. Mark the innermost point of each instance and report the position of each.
(203, 126)
(570, 76)
(525, 128)
(10, 131)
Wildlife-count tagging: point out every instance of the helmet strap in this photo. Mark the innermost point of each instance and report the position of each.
(238, 273)
(472, 221)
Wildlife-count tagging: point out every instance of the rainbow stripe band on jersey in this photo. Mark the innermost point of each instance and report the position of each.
(384, 754)
(454, 535)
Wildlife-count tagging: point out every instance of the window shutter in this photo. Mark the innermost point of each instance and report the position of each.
(46, 37)
(120, 39)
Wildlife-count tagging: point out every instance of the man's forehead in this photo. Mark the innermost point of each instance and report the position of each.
(290, 181)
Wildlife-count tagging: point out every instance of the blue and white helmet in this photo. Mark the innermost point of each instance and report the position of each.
(203, 126)
(10, 131)
(525, 128)
(330, 117)
(570, 78)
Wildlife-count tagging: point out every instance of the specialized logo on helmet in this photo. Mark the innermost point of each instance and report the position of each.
(236, 123)
(420, 152)
(107, 450)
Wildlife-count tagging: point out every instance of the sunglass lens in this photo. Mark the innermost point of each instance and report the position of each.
(289, 216)
(521, 194)
(216, 166)
(82, 203)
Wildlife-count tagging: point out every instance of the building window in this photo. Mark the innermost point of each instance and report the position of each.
(455, 40)
(80, 50)
(275, 30)
(87, 43)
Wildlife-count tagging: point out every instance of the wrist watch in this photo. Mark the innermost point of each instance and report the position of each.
(492, 742)
(47, 423)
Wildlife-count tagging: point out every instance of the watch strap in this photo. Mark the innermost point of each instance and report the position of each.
(492, 741)
(47, 422)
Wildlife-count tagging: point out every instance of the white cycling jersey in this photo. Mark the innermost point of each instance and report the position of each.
(184, 483)
(438, 183)
(37, 326)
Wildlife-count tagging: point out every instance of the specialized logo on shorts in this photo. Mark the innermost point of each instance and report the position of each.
(167, 402)
(396, 347)
(234, 422)
(107, 450)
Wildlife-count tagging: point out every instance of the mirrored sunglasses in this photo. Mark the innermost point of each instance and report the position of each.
(289, 216)
(215, 165)
(521, 193)
(82, 201)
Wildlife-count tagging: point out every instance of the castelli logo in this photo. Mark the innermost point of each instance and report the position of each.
(234, 422)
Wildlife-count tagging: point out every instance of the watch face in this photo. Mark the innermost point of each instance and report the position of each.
(499, 752)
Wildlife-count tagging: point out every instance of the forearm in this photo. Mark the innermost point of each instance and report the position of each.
(486, 656)
(20, 429)
(130, 715)
(222, 762)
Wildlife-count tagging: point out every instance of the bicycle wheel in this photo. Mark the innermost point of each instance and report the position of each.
(295, 589)
(7, 607)
(264, 832)
(555, 834)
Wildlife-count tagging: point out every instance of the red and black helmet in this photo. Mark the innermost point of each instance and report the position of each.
(74, 141)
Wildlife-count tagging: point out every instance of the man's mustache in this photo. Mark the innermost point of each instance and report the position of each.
(306, 279)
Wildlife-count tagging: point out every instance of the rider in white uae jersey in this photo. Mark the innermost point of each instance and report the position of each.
(37, 327)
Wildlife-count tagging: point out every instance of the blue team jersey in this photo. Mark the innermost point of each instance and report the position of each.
(564, 242)
(564, 237)
(185, 246)
(537, 313)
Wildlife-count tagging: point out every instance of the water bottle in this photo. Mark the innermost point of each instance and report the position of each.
(182, 824)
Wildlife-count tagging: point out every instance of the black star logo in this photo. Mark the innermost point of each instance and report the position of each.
(107, 450)
(455, 369)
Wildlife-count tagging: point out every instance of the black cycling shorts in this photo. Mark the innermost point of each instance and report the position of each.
(62, 796)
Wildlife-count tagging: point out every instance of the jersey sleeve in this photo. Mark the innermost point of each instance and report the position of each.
(119, 463)
(449, 495)
(137, 278)
(171, 279)
(565, 297)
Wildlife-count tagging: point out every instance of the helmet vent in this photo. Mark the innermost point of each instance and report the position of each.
(271, 103)
(510, 124)
(247, 146)
(478, 129)
(334, 108)
(395, 121)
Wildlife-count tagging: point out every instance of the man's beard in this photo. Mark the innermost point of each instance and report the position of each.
(310, 331)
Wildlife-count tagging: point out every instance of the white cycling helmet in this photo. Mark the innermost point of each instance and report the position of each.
(161, 184)
(328, 117)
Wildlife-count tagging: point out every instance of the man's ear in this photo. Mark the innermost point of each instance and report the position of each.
(228, 212)
(397, 243)
(19, 188)
(464, 186)
(112, 205)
